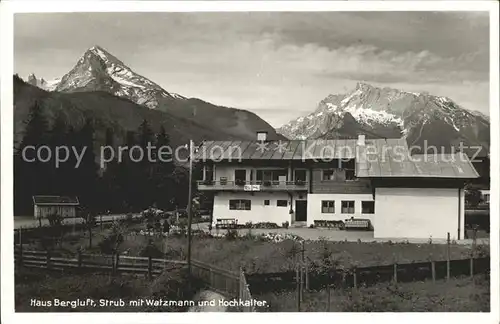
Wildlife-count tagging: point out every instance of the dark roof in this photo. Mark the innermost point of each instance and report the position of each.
(286, 150)
(449, 166)
(479, 152)
(377, 158)
(56, 200)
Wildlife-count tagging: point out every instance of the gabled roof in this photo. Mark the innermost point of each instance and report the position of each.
(56, 200)
(377, 158)
(285, 150)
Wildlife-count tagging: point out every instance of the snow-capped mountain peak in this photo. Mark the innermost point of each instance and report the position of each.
(43, 84)
(99, 70)
(386, 112)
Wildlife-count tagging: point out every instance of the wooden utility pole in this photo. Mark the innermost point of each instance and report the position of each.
(190, 216)
(448, 256)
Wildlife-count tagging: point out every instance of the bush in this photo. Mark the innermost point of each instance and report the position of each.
(129, 218)
(266, 225)
(370, 302)
(174, 285)
(55, 219)
(151, 250)
(111, 243)
(231, 234)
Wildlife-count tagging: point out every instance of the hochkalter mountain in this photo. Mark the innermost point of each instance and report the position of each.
(97, 70)
(391, 113)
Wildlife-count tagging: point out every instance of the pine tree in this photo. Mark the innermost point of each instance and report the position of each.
(163, 175)
(143, 169)
(57, 141)
(31, 176)
(86, 171)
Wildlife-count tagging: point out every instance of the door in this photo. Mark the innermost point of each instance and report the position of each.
(300, 210)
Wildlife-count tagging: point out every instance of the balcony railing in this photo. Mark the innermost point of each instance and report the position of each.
(253, 185)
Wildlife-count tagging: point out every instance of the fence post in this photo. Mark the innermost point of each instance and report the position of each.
(297, 279)
(355, 277)
(240, 282)
(79, 258)
(307, 277)
(301, 282)
(150, 267)
(395, 266)
(433, 269)
(329, 298)
(20, 247)
(117, 263)
(472, 252)
(448, 257)
(472, 267)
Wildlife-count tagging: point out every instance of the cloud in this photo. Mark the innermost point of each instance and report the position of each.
(275, 64)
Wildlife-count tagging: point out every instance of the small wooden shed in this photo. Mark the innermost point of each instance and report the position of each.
(61, 205)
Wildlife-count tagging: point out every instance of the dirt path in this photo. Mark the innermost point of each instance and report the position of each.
(208, 296)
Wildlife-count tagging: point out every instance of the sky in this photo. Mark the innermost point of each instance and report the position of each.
(278, 65)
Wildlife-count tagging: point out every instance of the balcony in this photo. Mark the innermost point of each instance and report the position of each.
(253, 185)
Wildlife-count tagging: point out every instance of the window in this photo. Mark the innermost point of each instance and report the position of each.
(271, 175)
(300, 175)
(266, 202)
(208, 173)
(368, 207)
(348, 207)
(240, 204)
(349, 175)
(240, 175)
(328, 206)
(282, 203)
(328, 175)
(349, 166)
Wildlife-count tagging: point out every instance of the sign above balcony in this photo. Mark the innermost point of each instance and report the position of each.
(251, 188)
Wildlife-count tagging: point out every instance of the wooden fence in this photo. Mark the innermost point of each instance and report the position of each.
(227, 283)
(244, 292)
(366, 276)
(92, 262)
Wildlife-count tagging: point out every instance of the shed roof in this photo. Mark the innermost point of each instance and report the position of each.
(56, 200)
(455, 166)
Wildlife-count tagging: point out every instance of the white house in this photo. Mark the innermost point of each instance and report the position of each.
(313, 182)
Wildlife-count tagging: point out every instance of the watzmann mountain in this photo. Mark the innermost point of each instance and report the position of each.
(98, 70)
(383, 112)
(98, 74)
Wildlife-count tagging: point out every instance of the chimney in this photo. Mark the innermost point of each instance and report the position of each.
(361, 140)
(261, 136)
